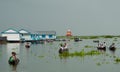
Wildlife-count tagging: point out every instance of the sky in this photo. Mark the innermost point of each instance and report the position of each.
(83, 17)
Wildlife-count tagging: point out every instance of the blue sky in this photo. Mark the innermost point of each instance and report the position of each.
(83, 17)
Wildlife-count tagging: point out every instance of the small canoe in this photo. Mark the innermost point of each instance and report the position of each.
(96, 41)
(112, 48)
(63, 50)
(101, 48)
(27, 46)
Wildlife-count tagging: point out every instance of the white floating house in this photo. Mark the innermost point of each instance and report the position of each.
(25, 35)
(11, 34)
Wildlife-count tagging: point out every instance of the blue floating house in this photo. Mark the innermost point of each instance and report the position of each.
(11, 34)
(46, 34)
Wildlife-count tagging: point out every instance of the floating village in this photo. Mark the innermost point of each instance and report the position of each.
(22, 35)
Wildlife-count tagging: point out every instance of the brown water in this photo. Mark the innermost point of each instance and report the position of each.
(45, 58)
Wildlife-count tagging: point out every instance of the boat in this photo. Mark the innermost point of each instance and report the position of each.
(63, 50)
(96, 41)
(101, 48)
(112, 48)
(27, 46)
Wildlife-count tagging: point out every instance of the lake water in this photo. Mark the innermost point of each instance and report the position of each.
(45, 57)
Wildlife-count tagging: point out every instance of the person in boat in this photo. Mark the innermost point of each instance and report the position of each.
(27, 45)
(65, 47)
(99, 44)
(13, 60)
(104, 44)
(61, 48)
(112, 45)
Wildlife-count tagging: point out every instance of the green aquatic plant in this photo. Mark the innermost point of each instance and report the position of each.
(87, 46)
(93, 52)
(98, 64)
(117, 60)
(81, 53)
(40, 56)
(108, 36)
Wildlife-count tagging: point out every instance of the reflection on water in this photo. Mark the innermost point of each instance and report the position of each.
(45, 58)
(13, 47)
(13, 68)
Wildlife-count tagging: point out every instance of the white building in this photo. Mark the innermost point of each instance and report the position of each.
(11, 34)
(25, 35)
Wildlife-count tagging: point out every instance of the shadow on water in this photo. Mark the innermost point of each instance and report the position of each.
(13, 68)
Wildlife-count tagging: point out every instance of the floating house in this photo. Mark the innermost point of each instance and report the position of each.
(25, 35)
(46, 35)
(11, 34)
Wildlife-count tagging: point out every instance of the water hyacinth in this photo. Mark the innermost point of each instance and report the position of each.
(117, 60)
(87, 46)
(81, 53)
(40, 56)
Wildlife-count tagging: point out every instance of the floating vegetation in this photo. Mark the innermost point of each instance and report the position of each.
(13, 48)
(40, 56)
(87, 46)
(108, 36)
(81, 53)
(98, 64)
(117, 60)
(88, 37)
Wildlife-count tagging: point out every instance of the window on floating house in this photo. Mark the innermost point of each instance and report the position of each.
(43, 36)
(50, 36)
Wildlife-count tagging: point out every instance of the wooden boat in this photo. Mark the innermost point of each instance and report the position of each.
(101, 48)
(13, 62)
(63, 50)
(96, 41)
(112, 48)
(27, 46)
(76, 39)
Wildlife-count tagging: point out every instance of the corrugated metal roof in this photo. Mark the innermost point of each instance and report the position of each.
(46, 32)
(24, 31)
(10, 30)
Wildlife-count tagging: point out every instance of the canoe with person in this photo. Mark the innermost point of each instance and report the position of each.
(63, 48)
(27, 45)
(101, 46)
(112, 47)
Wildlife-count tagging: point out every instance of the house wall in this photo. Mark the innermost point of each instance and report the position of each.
(12, 37)
(26, 37)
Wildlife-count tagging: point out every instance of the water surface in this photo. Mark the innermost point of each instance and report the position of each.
(45, 58)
